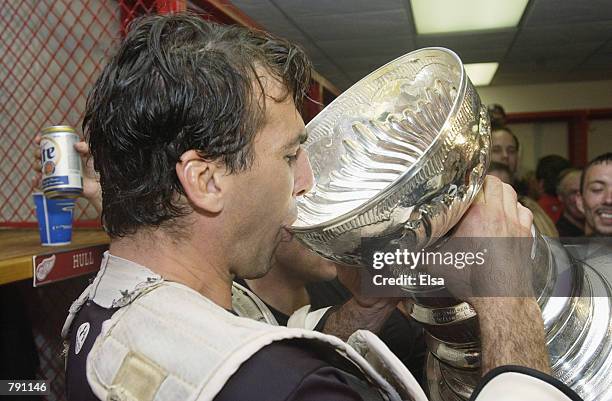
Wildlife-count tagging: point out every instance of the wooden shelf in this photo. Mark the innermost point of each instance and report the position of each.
(19, 246)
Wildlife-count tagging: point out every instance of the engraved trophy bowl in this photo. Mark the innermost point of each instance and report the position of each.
(397, 160)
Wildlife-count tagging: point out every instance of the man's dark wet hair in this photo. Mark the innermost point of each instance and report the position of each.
(601, 159)
(548, 170)
(176, 83)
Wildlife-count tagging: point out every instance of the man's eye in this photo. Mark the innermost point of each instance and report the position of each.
(496, 149)
(291, 159)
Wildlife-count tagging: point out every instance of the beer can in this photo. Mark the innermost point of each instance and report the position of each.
(61, 164)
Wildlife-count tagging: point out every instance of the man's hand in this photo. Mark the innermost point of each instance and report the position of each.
(359, 312)
(91, 182)
(495, 212)
(496, 231)
(512, 330)
(498, 223)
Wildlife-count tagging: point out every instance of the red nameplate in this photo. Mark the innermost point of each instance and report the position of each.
(52, 267)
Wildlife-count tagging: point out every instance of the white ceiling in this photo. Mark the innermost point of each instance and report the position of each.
(556, 40)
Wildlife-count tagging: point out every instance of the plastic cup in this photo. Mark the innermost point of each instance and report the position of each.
(54, 219)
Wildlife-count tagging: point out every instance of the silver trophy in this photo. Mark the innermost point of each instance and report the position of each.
(398, 159)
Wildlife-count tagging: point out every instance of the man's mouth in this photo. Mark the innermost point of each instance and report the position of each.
(606, 215)
(285, 233)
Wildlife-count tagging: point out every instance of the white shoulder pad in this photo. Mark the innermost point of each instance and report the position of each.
(246, 304)
(304, 319)
(517, 383)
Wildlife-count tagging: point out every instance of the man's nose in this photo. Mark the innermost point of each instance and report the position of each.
(304, 179)
(608, 196)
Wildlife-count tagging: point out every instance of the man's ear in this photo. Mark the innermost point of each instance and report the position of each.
(580, 202)
(201, 180)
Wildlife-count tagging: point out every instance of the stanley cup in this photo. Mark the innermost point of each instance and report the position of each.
(398, 159)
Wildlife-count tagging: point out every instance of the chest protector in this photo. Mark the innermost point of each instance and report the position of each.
(167, 342)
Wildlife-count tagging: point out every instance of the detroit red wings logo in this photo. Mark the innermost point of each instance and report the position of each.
(44, 268)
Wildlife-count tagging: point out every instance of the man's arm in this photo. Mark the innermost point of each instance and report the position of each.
(359, 312)
(512, 333)
(353, 316)
(511, 328)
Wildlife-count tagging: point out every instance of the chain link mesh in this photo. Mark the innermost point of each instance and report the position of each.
(52, 52)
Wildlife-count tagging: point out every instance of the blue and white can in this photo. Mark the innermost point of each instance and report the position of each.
(61, 164)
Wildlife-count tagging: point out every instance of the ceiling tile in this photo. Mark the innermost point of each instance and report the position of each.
(600, 59)
(525, 78)
(368, 62)
(357, 25)
(561, 12)
(600, 62)
(561, 65)
(606, 48)
(555, 48)
(397, 45)
(310, 8)
(471, 47)
(358, 73)
(590, 35)
(273, 20)
(548, 57)
(557, 40)
(257, 10)
(588, 74)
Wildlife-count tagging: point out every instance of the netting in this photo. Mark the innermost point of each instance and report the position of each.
(52, 52)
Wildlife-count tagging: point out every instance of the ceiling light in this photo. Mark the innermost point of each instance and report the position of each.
(442, 16)
(481, 74)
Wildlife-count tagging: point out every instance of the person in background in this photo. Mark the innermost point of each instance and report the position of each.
(547, 174)
(540, 219)
(505, 148)
(595, 197)
(504, 144)
(500, 171)
(497, 115)
(532, 188)
(571, 222)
